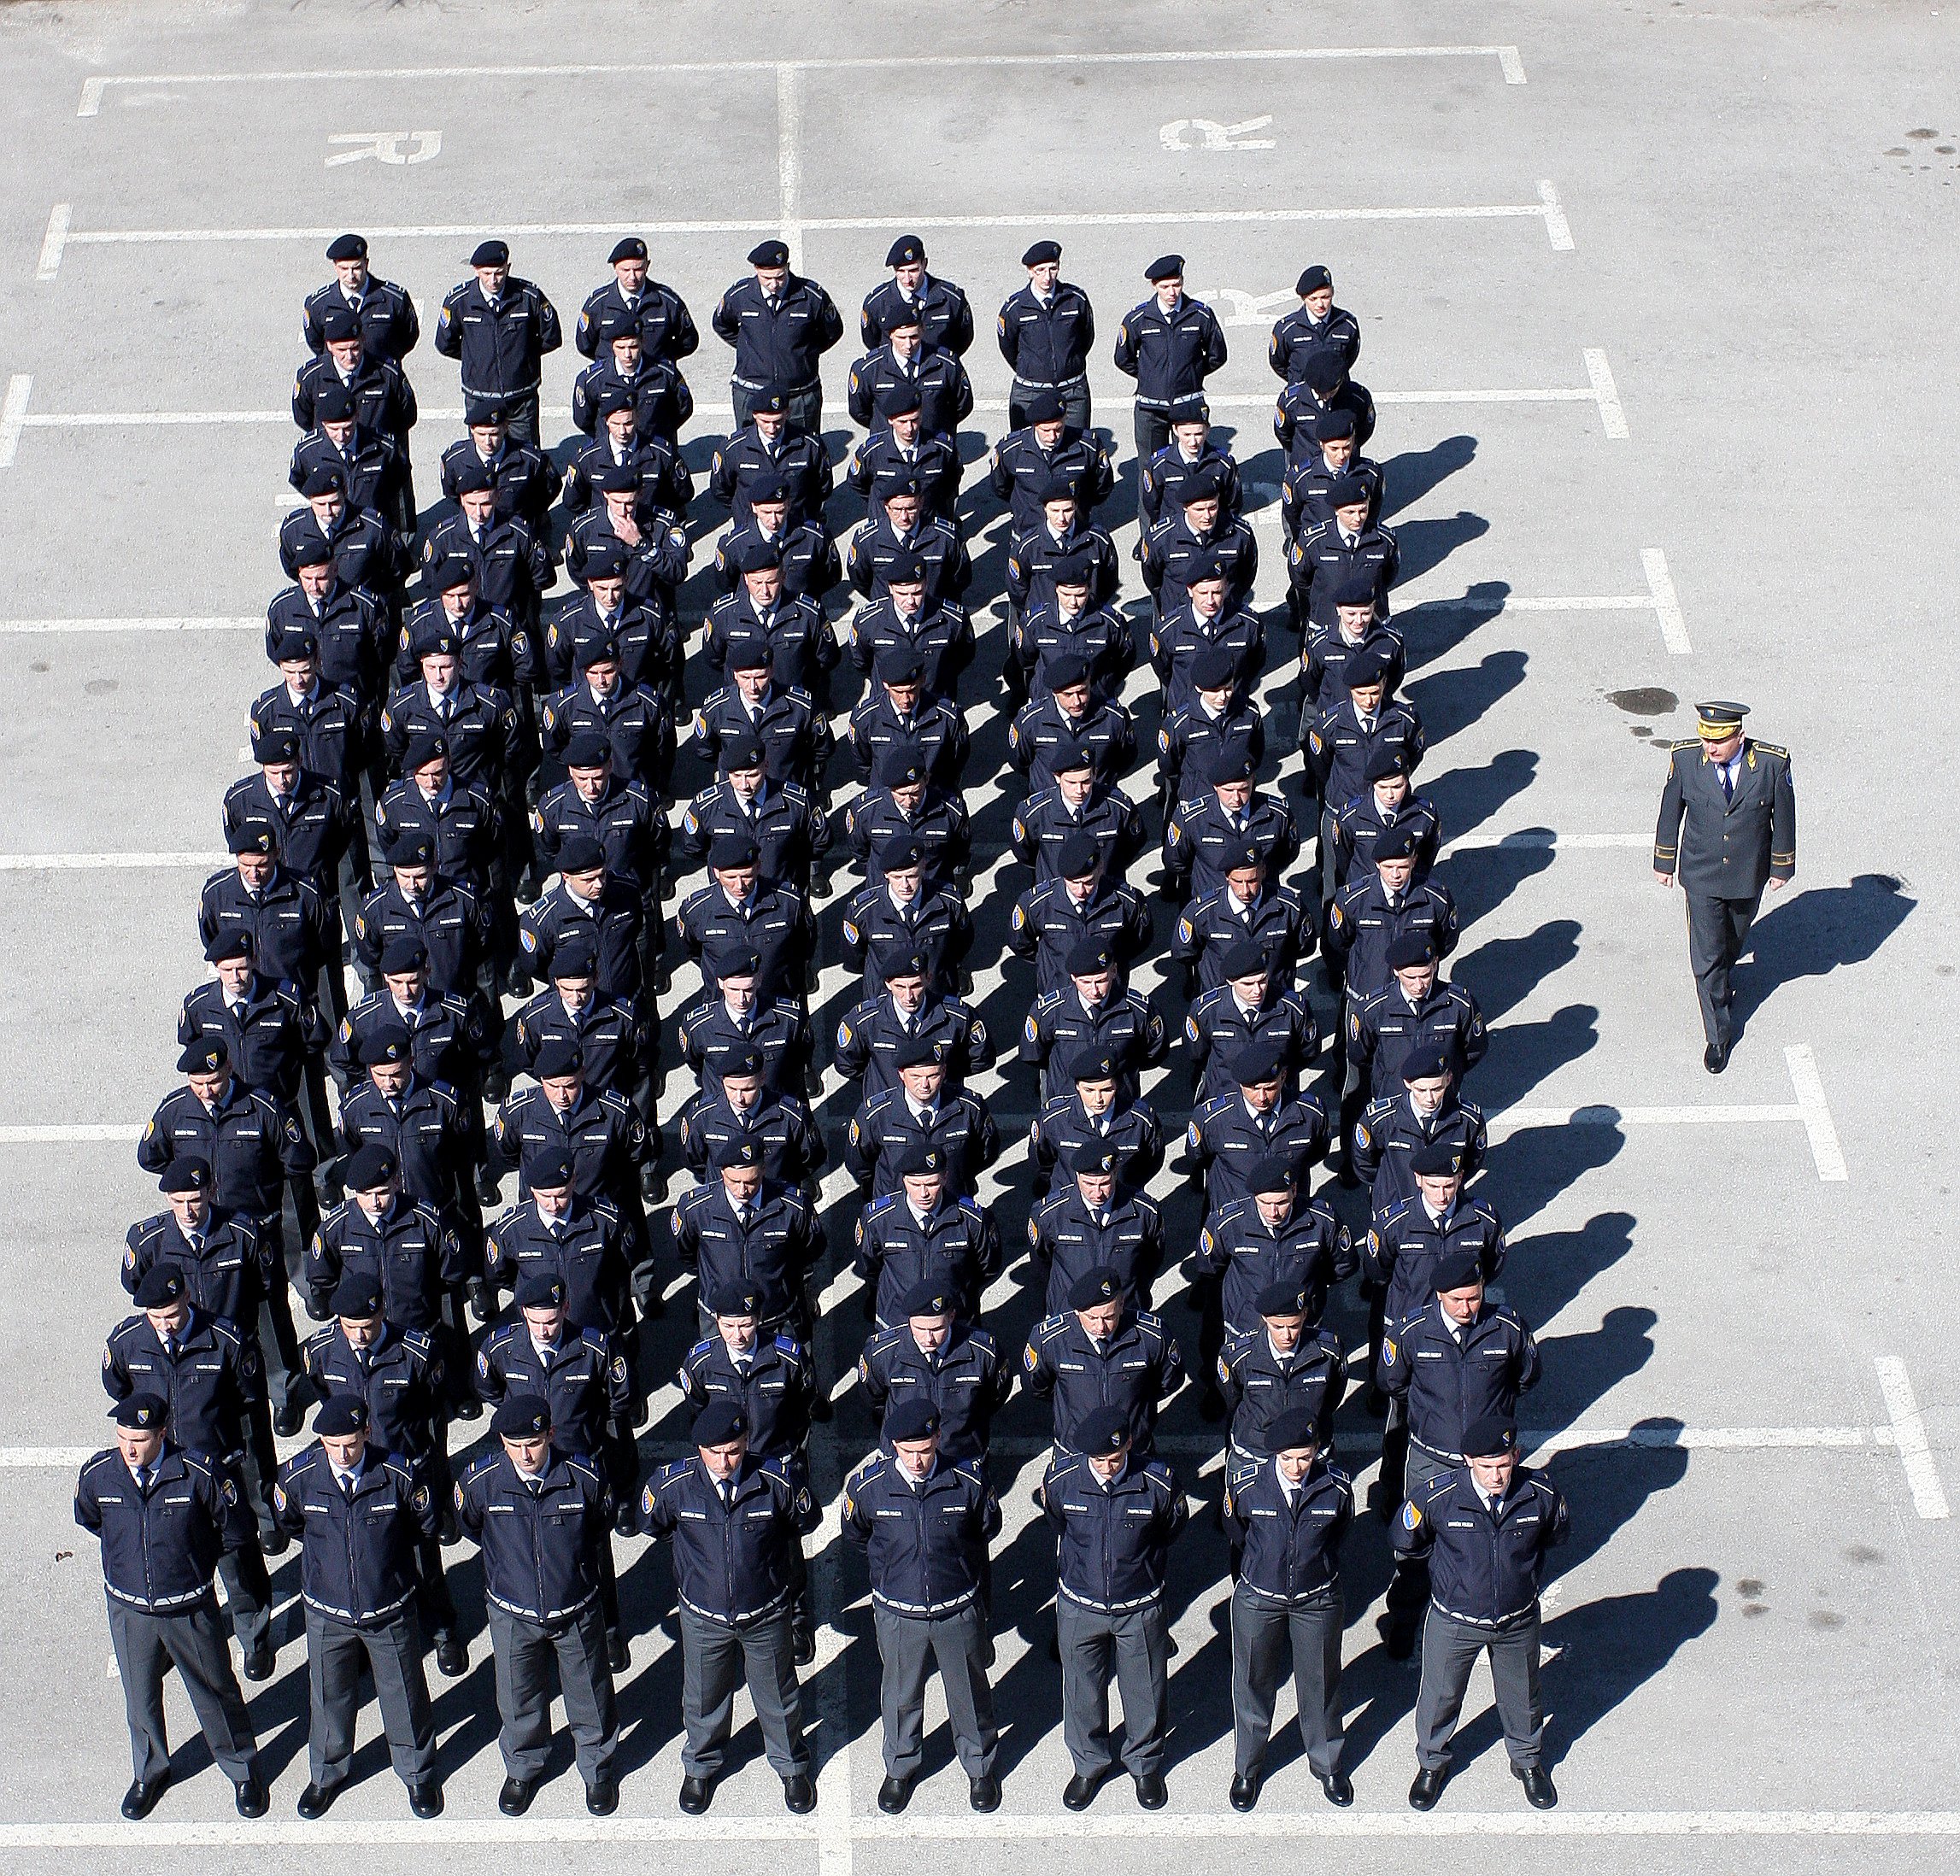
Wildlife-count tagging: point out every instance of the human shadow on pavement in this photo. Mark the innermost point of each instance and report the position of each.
(1502, 972)
(1814, 933)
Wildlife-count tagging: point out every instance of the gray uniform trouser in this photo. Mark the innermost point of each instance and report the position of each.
(1262, 1633)
(908, 1645)
(392, 1650)
(1718, 930)
(194, 1643)
(1134, 1646)
(804, 408)
(1450, 1650)
(715, 1658)
(524, 1653)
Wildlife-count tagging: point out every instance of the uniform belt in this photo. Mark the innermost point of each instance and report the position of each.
(1128, 1607)
(788, 390)
(1321, 1593)
(374, 1619)
(163, 1605)
(741, 1618)
(1436, 1453)
(546, 1618)
(932, 1612)
(508, 391)
(1486, 1621)
(1051, 385)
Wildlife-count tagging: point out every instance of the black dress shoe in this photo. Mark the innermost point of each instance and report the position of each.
(1080, 1791)
(619, 1655)
(425, 1799)
(624, 1522)
(259, 1663)
(467, 1410)
(274, 1542)
(1150, 1792)
(514, 1800)
(290, 1418)
(1398, 1641)
(1245, 1791)
(799, 1795)
(451, 1656)
(1715, 1058)
(1539, 1793)
(250, 1795)
(314, 1801)
(140, 1799)
(696, 1794)
(1339, 1788)
(983, 1793)
(1427, 1789)
(803, 1643)
(602, 1797)
(894, 1795)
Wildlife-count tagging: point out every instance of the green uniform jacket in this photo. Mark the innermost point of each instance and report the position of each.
(1722, 848)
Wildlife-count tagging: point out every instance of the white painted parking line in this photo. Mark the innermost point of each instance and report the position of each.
(108, 862)
(94, 89)
(1538, 839)
(1601, 373)
(1810, 1110)
(1816, 1113)
(1909, 1437)
(789, 158)
(394, 1834)
(789, 166)
(14, 627)
(66, 1133)
(53, 241)
(1660, 585)
(14, 416)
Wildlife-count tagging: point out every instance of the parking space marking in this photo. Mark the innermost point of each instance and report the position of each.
(789, 170)
(92, 862)
(1601, 373)
(53, 241)
(95, 90)
(1909, 1437)
(20, 627)
(1029, 1825)
(1659, 599)
(14, 416)
(1810, 1110)
(789, 158)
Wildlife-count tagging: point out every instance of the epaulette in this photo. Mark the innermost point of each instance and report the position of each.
(1770, 749)
(1215, 1105)
(882, 1205)
(594, 1339)
(788, 1345)
(778, 1469)
(420, 1340)
(971, 1206)
(867, 1468)
(1157, 1469)
(579, 1462)
(395, 1463)
(801, 695)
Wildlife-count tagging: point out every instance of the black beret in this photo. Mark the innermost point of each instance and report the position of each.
(485, 412)
(191, 1174)
(732, 1151)
(732, 1297)
(339, 321)
(491, 254)
(928, 1298)
(1093, 1288)
(908, 962)
(740, 1062)
(605, 560)
(921, 1160)
(295, 643)
(144, 1411)
(901, 766)
(1097, 1158)
(1230, 761)
(769, 254)
(1326, 370)
(404, 952)
(553, 1171)
(588, 749)
(721, 1423)
(1359, 585)
(904, 569)
(1386, 761)
(1093, 1065)
(1070, 757)
(617, 397)
(1368, 665)
(629, 247)
(1046, 407)
(335, 404)
(388, 1045)
(1286, 1299)
(431, 745)
(576, 955)
(1071, 569)
(310, 548)
(772, 401)
(1165, 267)
(1090, 958)
(756, 556)
(1244, 957)
(1333, 425)
(735, 961)
(1189, 409)
(899, 666)
(731, 853)
(1411, 952)
(908, 250)
(1345, 491)
(1258, 1061)
(1068, 670)
(452, 572)
(901, 399)
(162, 1284)
(1040, 253)
(208, 1055)
(359, 1299)
(913, 1417)
(558, 1056)
(1490, 1436)
(473, 476)
(1440, 1159)
(323, 480)
(742, 752)
(1272, 1173)
(1079, 853)
(1312, 280)
(1216, 667)
(1456, 1271)
(596, 651)
(541, 1290)
(1290, 1431)
(1104, 1433)
(341, 1415)
(347, 247)
(1397, 843)
(903, 316)
(370, 1166)
(235, 942)
(900, 854)
(580, 853)
(1205, 483)
(768, 487)
(750, 651)
(1422, 1064)
(522, 1416)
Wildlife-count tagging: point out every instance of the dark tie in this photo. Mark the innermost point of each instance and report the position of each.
(347, 1486)
(143, 1480)
(1727, 781)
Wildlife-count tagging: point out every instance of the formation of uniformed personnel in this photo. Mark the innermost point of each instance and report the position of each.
(495, 781)
(1727, 831)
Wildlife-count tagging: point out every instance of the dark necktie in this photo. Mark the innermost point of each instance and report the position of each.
(1727, 781)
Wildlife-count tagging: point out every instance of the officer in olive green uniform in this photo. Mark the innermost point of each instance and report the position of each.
(1728, 828)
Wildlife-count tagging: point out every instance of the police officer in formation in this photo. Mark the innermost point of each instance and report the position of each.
(469, 781)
